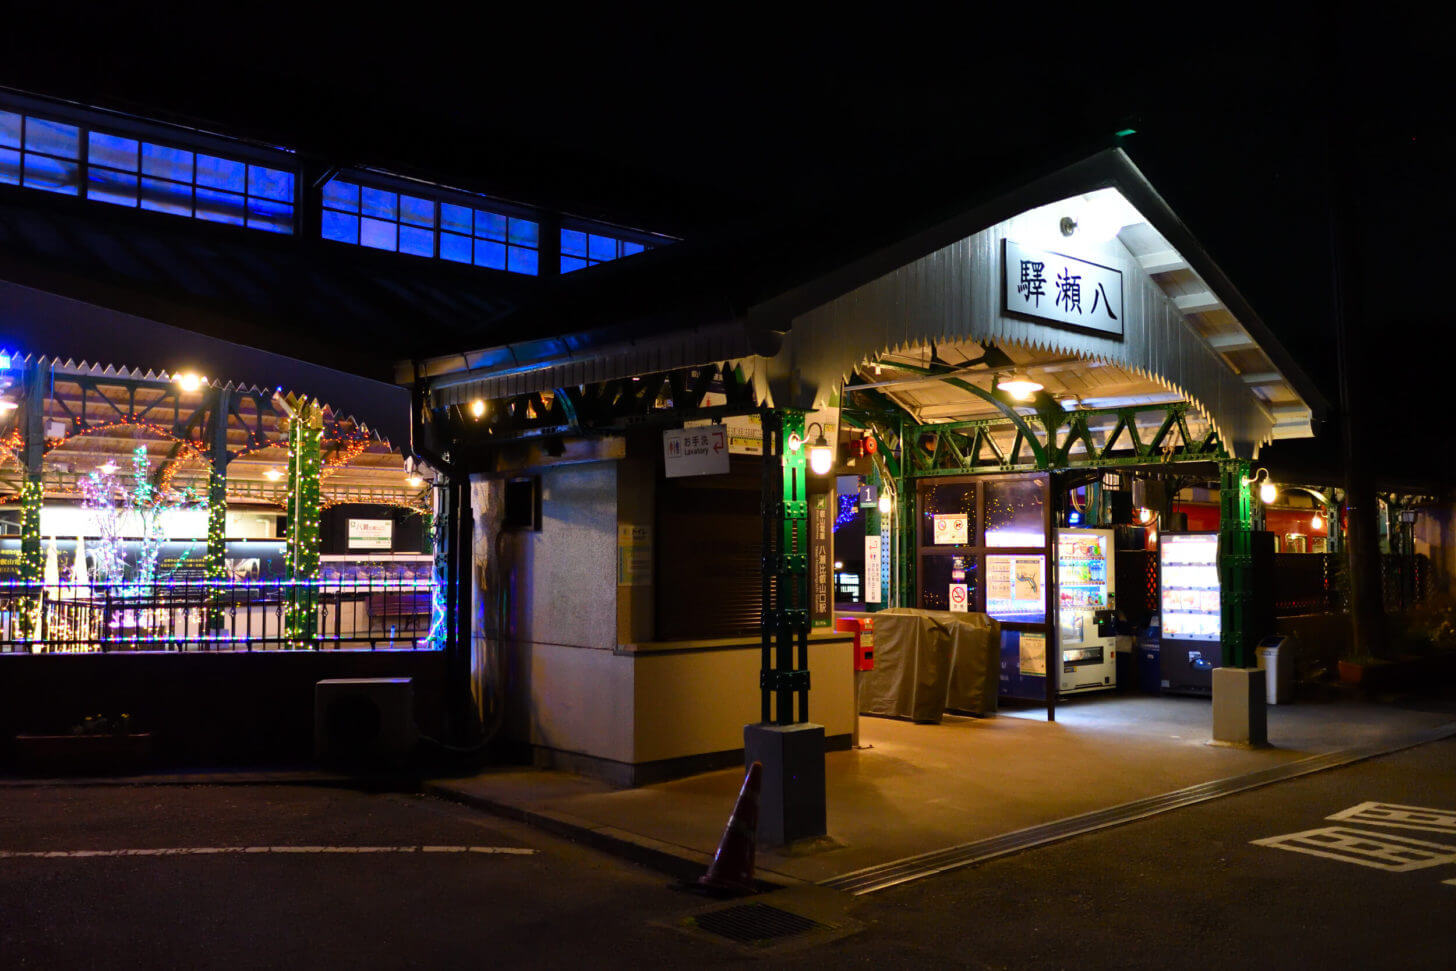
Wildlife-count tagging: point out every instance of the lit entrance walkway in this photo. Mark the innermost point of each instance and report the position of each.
(925, 787)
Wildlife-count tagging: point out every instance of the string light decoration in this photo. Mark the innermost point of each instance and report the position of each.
(301, 549)
(32, 562)
(848, 509)
(215, 560)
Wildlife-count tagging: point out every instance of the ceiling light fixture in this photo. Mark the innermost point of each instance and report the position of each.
(1019, 386)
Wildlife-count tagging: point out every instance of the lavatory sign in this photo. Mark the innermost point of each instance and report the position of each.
(1062, 289)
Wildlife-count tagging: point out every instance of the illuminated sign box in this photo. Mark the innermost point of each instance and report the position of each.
(371, 534)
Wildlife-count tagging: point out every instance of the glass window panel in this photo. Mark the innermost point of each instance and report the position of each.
(569, 263)
(454, 247)
(222, 173)
(523, 260)
(455, 218)
(52, 138)
(9, 166)
(50, 174)
(947, 499)
(269, 183)
(1013, 513)
(524, 232)
(420, 242)
(490, 254)
(113, 151)
(341, 195)
(937, 573)
(9, 129)
(266, 214)
(118, 188)
(217, 206)
(602, 248)
(630, 248)
(573, 242)
(166, 196)
(488, 225)
(340, 226)
(166, 162)
(378, 234)
(379, 203)
(413, 209)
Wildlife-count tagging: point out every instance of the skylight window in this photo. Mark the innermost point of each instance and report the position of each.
(74, 160)
(421, 226)
(581, 249)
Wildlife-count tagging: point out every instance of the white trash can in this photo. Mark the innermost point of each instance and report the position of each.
(1276, 660)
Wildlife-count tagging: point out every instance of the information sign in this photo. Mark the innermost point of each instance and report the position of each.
(1063, 289)
(952, 528)
(872, 569)
(960, 597)
(701, 450)
(371, 534)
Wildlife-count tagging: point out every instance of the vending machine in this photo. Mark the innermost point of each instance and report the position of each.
(1086, 605)
(1188, 588)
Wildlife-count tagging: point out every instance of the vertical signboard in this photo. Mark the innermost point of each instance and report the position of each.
(821, 556)
(872, 569)
(634, 556)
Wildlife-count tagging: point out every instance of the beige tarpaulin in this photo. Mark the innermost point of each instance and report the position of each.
(927, 661)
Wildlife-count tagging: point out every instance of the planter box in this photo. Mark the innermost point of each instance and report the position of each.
(83, 754)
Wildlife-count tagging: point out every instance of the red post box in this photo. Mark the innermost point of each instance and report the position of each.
(863, 629)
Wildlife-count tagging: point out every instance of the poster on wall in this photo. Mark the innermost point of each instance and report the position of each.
(960, 598)
(634, 556)
(1033, 654)
(1016, 587)
(872, 569)
(952, 529)
(371, 534)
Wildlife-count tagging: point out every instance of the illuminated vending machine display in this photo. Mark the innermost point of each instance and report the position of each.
(1086, 598)
(1189, 591)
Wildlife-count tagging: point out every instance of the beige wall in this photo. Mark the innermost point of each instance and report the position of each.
(697, 701)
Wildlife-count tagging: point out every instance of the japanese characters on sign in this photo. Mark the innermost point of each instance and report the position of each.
(1063, 289)
(634, 556)
(872, 569)
(370, 534)
(960, 597)
(821, 586)
(702, 450)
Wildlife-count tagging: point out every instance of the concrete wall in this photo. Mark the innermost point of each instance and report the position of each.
(566, 690)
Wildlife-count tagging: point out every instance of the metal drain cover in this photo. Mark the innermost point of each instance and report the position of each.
(755, 924)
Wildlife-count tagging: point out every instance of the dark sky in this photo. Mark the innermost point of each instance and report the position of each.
(685, 125)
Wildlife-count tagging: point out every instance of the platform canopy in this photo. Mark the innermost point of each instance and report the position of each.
(1082, 280)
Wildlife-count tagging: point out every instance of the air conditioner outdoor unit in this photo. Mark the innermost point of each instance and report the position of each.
(364, 720)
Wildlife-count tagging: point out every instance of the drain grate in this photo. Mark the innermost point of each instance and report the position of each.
(758, 924)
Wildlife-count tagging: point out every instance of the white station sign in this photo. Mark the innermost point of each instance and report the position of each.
(1062, 289)
(700, 450)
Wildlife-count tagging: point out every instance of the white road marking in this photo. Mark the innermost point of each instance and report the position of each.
(1399, 817)
(1381, 851)
(213, 850)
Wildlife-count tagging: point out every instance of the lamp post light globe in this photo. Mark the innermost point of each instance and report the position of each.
(886, 503)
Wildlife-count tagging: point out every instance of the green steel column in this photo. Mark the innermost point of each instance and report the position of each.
(32, 492)
(305, 447)
(872, 519)
(1235, 562)
(785, 569)
(215, 562)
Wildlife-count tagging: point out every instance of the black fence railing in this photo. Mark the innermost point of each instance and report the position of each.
(1307, 583)
(211, 615)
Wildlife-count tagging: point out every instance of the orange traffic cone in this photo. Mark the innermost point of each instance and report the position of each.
(732, 866)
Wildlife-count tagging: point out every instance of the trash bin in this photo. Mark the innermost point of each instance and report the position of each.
(1149, 653)
(1276, 660)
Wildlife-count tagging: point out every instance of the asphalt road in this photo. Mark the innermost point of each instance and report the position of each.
(1186, 888)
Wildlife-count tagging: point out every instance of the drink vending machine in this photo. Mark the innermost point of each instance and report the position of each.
(1188, 587)
(1086, 606)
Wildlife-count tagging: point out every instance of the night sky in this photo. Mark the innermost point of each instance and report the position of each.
(1249, 128)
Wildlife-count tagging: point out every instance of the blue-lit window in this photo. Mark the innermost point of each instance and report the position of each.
(49, 155)
(404, 223)
(581, 249)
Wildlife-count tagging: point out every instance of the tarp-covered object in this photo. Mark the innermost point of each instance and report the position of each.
(927, 661)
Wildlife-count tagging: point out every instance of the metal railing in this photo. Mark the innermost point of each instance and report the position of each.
(217, 615)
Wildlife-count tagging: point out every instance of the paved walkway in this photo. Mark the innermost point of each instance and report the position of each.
(920, 788)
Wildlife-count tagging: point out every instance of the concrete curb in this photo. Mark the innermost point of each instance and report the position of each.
(678, 862)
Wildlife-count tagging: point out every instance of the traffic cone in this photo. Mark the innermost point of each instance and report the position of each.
(732, 866)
